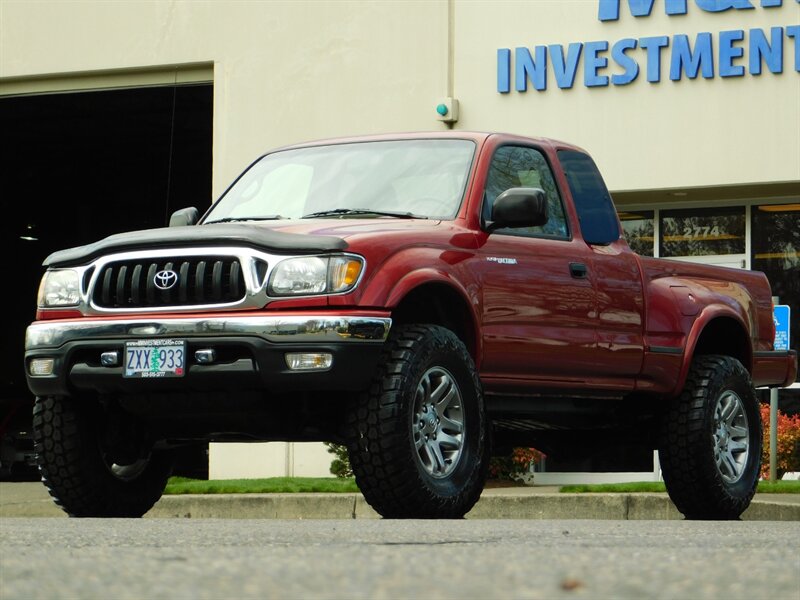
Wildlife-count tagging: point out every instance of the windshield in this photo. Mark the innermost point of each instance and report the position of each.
(408, 178)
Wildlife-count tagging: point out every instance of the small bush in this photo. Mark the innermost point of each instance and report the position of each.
(509, 468)
(788, 450)
(340, 465)
(515, 465)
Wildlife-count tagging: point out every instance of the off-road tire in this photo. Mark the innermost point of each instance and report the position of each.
(690, 441)
(390, 469)
(72, 466)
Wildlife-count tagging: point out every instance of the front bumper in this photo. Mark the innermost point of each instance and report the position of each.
(250, 352)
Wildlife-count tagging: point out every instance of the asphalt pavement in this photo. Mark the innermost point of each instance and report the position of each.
(31, 499)
(394, 559)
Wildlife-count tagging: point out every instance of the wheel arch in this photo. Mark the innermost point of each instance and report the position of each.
(719, 331)
(437, 302)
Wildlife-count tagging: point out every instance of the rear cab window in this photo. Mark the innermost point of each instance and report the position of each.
(596, 213)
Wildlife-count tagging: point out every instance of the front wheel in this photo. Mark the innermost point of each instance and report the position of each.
(94, 464)
(417, 440)
(711, 437)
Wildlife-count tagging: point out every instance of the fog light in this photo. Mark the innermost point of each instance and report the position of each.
(309, 361)
(40, 367)
(205, 357)
(109, 359)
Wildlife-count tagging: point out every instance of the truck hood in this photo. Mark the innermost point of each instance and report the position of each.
(281, 237)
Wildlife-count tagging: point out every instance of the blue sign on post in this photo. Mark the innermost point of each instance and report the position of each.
(781, 316)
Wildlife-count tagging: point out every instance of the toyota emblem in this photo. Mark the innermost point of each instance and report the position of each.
(165, 279)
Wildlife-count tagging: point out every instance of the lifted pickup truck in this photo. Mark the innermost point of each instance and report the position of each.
(421, 299)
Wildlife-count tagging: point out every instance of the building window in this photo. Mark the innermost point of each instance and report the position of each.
(776, 251)
(638, 228)
(702, 231)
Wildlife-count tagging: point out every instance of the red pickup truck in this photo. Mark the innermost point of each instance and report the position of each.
(424, 299)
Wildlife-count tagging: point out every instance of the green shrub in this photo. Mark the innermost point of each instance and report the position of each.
(510, 468)
(340, 465)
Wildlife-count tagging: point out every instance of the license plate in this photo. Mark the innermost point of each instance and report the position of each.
(155, 358)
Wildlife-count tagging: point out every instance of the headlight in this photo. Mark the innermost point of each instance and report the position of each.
(59, 288)
(312, 275)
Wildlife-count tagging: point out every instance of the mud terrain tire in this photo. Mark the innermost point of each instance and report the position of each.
(417, 440)
(710, 442)
(78, 473)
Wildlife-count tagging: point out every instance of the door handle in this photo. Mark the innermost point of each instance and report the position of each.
(578, 270)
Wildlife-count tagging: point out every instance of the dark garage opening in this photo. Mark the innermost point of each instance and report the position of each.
(77, 167)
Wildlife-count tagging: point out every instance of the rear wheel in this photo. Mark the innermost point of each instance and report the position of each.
(93, 464)
(417, 439)
(710, 447)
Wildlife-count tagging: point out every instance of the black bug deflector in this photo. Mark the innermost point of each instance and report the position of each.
(222, 234)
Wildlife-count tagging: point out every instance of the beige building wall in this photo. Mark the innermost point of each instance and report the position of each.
(701, 132)
(283, 71)
(290, 71)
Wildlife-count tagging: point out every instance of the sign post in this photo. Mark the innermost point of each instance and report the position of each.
(781, 315)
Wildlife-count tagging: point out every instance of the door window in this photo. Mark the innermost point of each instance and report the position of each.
(518, 166)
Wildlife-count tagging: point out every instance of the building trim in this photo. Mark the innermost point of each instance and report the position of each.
(182, 74)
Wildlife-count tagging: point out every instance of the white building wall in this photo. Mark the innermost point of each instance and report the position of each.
(273, 459)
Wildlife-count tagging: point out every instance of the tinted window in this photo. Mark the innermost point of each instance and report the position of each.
(703, 231)
(596, 212)
(516, 166)
(776, 252)
(638, 227)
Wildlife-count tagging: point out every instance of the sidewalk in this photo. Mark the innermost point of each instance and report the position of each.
(31, 499)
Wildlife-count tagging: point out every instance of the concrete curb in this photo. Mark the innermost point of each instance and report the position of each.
(494, 504)
(508, 506)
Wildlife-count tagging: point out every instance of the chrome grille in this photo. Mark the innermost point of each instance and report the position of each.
(201, 280)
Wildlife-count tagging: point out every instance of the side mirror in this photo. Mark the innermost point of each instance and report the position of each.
(184, 216)
(519, 207)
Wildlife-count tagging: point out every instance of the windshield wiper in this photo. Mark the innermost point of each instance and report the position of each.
(362, 211)
(237, 219)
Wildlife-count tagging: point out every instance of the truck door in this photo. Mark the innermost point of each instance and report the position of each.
(538, 306)
(617, 278)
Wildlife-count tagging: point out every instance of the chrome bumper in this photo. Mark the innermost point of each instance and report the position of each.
(277, 329)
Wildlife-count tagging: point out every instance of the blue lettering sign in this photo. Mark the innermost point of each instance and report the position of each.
(503, 70)
(687, 59)
(525, 68)
(565, 69)
(794, 33)
(592, 63)
(608, 10)
(723, 5)
(624, 61)
(770, 52)
(728, 53)
(653, 45)
(684, 59)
